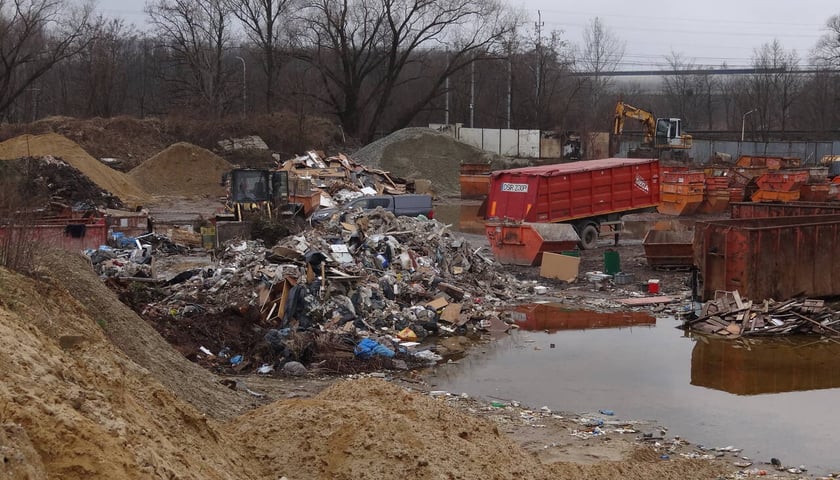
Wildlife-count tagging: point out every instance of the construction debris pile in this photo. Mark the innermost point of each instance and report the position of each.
(340, 179)
(728, 315)
(336, 297)
(41, 182)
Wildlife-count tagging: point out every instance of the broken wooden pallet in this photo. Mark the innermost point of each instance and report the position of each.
(728, 315)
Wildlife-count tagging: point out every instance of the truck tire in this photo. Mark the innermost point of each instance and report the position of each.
(589, 236)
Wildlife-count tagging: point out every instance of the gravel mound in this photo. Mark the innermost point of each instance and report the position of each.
(419, 152)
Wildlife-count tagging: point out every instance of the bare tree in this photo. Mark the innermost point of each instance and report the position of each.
(268, 25)
(827, 49)
(198, 34)
(773, 94)
(363, 49)
(682, 92)
(35, 35)
(601, 53)
(103, 67)
(557, 90)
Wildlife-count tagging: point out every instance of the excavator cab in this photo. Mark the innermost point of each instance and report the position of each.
(669, 134)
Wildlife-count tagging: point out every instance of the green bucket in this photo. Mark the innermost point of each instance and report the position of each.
(612, 262)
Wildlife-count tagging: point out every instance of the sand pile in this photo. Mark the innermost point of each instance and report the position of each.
(75, 407)
(372, 429)
(58, 146)
(182, 169)
(423, 153)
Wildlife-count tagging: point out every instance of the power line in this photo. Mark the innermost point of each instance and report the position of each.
(689, 19)
(699, 71)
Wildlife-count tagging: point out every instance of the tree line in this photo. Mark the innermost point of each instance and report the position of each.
(378, 65)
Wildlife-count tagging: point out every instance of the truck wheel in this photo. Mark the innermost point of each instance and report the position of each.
(589, 236)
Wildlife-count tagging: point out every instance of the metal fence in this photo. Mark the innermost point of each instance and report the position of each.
(703, 150)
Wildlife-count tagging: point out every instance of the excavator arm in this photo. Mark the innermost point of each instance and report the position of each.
(623, 110)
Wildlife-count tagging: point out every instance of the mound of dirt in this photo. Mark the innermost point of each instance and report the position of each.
(182, 169)
(371, 429)
(55, 145)
(73, 406)
(417, 152)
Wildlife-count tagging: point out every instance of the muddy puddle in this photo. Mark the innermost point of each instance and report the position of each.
(770, 397)
(464, 216)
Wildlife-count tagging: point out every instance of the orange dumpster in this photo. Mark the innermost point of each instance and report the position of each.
(523, 243)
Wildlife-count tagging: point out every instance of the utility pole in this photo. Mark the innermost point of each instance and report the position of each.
(446, 117)
(244, 82)
(510, 80)
(538, 25)
(472, 93)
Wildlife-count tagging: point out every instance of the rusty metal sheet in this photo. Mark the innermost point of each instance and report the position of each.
(765, 258)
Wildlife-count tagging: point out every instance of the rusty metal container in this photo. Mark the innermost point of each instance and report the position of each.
(736, 194)
(773, 163)
(523, 243)
(474, 180)
(669, 248)
(774, 196)
(792, 209)
(681, 193)
(743, 176)
(814, 192)
(765, 258)
(718, 182)
(783, 180)
(715, 201)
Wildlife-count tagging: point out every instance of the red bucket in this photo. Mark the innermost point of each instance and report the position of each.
(653, 286)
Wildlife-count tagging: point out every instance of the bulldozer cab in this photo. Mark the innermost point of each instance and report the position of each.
(250, 186)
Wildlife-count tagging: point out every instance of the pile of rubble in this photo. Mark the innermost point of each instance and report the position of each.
(45, 181)
(340, 179)
(728, 315)
(368, 291)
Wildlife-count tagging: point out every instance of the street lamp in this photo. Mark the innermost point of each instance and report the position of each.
(744, 121)
(244, 77)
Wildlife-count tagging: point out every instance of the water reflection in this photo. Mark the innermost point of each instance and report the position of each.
(553, 316)
(656, 372)
(466, 217)
(758, 366)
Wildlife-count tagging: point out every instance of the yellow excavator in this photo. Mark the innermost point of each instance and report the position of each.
(663, 137)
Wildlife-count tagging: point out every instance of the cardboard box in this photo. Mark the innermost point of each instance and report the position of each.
(437, 303)
(560, 267)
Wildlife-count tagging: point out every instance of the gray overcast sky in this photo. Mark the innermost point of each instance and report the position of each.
(708, 31)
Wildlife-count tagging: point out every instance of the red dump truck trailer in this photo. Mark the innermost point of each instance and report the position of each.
(585, 194)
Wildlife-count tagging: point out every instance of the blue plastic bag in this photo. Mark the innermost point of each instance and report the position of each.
(368, 348)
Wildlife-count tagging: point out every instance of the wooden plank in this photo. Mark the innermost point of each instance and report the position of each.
(647, 300)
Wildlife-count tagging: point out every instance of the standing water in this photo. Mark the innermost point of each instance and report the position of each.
(770, 397)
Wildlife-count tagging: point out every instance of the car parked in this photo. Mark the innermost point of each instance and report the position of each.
(410, 205)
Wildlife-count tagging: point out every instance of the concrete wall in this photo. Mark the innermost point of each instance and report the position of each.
(501, 141)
